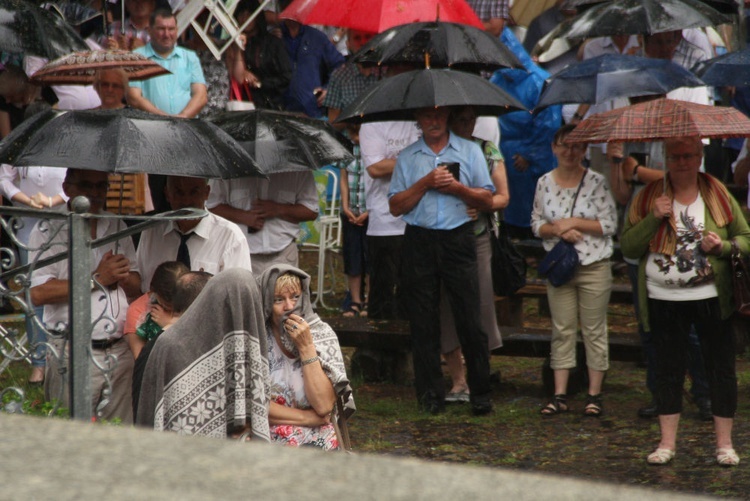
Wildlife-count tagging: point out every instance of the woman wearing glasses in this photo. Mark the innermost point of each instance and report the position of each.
(574, 204)
(681, 229)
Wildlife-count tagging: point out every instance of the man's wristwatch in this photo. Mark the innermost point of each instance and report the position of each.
(577, 116)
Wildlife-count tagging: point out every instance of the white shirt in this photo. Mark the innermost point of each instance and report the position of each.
(116, 305)
(379, 141)
(31, 180)
(595, 202)
(69, 97)
(217, 245)
(284, 188)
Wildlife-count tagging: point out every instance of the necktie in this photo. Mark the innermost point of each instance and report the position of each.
(183, 254)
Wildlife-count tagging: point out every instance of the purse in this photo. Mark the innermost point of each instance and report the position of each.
(560, 263)
(507, 263)
(740, 281)
(236, 101)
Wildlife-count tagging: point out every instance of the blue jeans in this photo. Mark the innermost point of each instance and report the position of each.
(35, 335)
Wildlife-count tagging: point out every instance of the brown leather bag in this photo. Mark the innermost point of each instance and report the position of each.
(740, 281)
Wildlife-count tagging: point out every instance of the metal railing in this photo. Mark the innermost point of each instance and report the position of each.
(78, 330)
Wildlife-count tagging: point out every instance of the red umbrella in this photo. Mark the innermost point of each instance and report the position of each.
(79, 68)
(661, 119)
(375, 16)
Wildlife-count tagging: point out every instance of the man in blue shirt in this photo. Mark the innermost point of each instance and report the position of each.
(440, 248)
(182, 93)
(313, 58)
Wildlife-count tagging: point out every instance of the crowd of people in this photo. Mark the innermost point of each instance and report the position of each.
(419, 202)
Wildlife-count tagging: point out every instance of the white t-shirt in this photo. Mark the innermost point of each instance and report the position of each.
(687, 275)
(284, 187)
(378, 141)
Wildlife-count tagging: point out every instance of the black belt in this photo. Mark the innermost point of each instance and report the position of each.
(103, 344)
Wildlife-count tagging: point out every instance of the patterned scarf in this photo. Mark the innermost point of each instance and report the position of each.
(714, 194)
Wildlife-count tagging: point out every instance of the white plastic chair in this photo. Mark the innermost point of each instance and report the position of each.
(329, 228)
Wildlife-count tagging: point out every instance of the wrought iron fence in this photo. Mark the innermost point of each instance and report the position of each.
(67, 237)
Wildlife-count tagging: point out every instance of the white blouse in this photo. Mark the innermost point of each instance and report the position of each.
(553, 202)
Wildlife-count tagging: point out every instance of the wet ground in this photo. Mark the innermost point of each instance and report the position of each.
(612, 448)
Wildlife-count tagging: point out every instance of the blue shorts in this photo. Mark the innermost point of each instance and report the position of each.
(355, 247)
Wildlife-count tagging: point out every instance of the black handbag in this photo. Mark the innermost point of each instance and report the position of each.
(560, 263)
(508, 264)
(740, 281)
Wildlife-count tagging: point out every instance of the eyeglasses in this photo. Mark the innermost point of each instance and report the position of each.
(86, 185)
(684, 156)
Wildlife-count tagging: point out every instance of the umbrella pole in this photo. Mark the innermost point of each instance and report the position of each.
(119, 208)
(104, 17)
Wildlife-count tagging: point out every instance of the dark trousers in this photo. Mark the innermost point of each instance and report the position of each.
(448, 257)
(671, 322)
(696, 367)
(384, 257)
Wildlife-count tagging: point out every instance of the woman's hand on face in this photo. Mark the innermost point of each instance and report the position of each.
(299, 330)
(711, 243)
(572, 236)
(662, 207)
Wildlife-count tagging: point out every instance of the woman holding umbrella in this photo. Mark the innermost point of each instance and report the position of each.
(682, 229)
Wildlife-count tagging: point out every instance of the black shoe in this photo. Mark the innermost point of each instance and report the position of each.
(648, 412)
(481, 405)
(704, 410)
(431, 404)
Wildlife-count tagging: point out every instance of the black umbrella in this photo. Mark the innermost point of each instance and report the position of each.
(284, 142)
(732, 69)
(127, 141)
(632, 17)
(28, 29)
(723, 6)
(454, 45)
(398, 97)
(610, 76)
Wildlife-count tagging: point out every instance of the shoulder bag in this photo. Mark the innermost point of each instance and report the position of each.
(508, 264)
(560, 263)
(740, 281)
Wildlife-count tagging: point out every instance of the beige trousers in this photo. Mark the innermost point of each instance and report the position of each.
(585, 298)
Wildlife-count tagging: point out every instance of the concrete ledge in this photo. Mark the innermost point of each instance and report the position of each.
(60, 459)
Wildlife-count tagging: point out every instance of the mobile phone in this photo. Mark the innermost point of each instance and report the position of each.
(454, 168)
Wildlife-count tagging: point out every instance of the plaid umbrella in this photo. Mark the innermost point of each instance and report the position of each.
(79, 68)
(661, 119)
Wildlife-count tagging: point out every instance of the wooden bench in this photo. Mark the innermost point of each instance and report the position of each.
(393, 335)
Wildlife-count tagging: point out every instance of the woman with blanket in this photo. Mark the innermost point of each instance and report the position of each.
(306, 366)
(681, 229)
(208, 373)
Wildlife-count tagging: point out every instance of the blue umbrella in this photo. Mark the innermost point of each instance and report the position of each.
(606, 77)
(732, 69)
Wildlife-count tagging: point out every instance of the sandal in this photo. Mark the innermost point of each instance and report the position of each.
(363, 313)
(661, 456)
(727, 457)
(558, 405)
(594, 406)
(353, 310)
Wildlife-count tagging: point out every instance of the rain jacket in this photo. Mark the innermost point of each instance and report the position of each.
(523, 133)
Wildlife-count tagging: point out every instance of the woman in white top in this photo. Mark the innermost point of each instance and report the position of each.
(590, 225)
(38, 188)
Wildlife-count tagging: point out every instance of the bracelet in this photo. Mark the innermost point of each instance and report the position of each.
(310, 361)
(577, 116)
